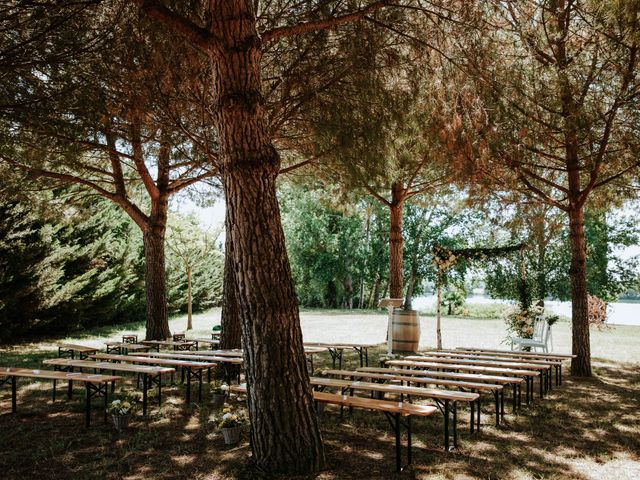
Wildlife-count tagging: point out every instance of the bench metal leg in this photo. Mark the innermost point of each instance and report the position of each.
(145, 386)
(87, 405)
(502, 404)
(53, 394)
(496, 396)
(187, 371)
(398, 451)
(454, 408)
(14, 394)
(446, 425)
(472, 423)
(478, 419)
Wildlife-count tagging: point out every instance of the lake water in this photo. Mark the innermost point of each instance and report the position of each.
(619, 313)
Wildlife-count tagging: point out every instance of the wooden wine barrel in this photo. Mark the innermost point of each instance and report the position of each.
(405, 327)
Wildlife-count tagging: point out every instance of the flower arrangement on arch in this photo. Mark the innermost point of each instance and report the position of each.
(520, 322)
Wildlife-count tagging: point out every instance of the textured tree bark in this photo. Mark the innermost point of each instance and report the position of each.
(231, 325)
(284, 431)
(396, 241)
(155, 284)
(581, 365)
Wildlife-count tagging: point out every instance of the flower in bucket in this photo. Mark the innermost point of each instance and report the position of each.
(231, 419)
(220, 388)
(121, 407)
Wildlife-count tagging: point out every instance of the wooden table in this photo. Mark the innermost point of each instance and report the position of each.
(396, 375)
(95, 385)
(393, 410)
(190, 369)
(150, 374)
(527, 375)
(206, 341)
(336, 350)
(183, 345)
(125, 347)
(445, 399)
(544, 370)
(130, 338)
(70, 349)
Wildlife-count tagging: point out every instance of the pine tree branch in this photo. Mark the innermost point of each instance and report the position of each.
(327, 24)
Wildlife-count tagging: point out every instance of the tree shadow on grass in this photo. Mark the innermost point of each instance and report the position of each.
(588, 419)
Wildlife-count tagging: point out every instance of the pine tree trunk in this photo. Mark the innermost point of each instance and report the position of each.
(285, 437)
(396, 242)
(230, 321)
(189, 306)
(581, 365)
(155, 283)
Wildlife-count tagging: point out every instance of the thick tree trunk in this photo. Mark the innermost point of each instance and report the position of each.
(285, 437)
(155, 284)
(396, 241)
(189, 303)
(581, 365)
(230, 321)
(347, 299)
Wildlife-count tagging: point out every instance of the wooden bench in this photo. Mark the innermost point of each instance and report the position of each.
(391, 375)
(70, 349)
(445, 399)
(177, 346)
(212, 343)
(514, 382)
(552, 363)
(544, 370)
(393, 410)
(150, 374)
(527, 375)
(559, 357)
(95, 385)
(189, 369)
(130, 338)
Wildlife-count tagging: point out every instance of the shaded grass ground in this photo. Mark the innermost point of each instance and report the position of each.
(587, 429)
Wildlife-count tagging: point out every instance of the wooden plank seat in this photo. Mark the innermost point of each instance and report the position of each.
(553, 364)
(544, 370)
(176, 345)
(391, 375)
(125, 347)
(225, 362)
(70, 349)
(96, 385)
(394, 411)
(190, 369)
(445, 399)
(216, 353)
(527, 375)
(539, 355)
(130, 338)
(150, 374)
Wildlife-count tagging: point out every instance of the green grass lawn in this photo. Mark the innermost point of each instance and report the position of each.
(586, 429)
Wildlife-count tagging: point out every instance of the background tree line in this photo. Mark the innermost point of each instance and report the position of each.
(71, 262)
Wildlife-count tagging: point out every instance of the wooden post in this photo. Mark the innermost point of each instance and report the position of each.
(438, 313)
(189, 307)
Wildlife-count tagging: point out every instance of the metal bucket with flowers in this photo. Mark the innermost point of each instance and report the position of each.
(219, 392)
(121, 411)
(231, 425)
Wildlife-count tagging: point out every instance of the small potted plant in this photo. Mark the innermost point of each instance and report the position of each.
(121, 411)
(231, 425)
(219, 392)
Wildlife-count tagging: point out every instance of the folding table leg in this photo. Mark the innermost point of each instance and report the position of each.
(409, 453)
(472, 423)
(454, 407)
(106, 400)
(53, 394)
(446, 425)
(145, 386)
(159, 389)
(398, 450)
(496, 396)
(187, 371)
(14, 394)
(87, 405)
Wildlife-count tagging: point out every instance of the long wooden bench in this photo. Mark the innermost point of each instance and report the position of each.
(150, 374)
(70, 349)
(126, 347)
(95, 385)
(445, 399)
(544, 370)
(391, 375)
(224, 361)
(514, 382)
(189, 369)
(527, 375)
(552, 363)
(393, 410)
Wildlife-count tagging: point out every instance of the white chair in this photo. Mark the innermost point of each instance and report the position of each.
(541, 337)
